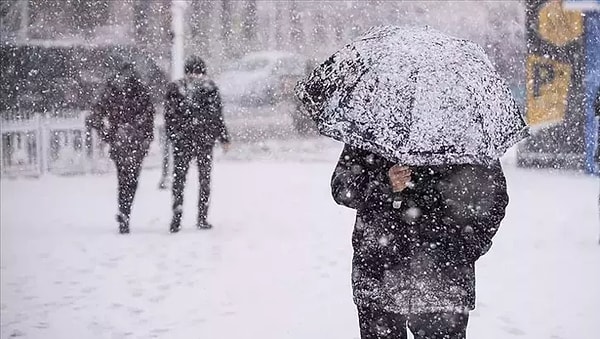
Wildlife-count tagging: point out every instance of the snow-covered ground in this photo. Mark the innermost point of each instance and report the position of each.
(277, 263)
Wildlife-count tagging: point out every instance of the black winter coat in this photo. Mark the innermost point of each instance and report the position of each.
(124, 117)
(194, 113)
(418, 258)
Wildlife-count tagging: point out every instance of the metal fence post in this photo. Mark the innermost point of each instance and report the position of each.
(40, 144)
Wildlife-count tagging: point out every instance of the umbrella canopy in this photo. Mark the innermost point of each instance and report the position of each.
(415, 96)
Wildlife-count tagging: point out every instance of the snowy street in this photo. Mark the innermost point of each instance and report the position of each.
(277, 263)
(107, 105)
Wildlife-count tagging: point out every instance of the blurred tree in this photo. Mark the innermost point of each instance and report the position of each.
(249, 26)
(200, 26)
(40, 13)
(53, 19)
(141, 10)
(320, 33)
(13, 19)
(86, 14)
(296, 31)
(226, 27)
(279, 24)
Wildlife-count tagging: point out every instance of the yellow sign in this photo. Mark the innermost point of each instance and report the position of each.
(559, 26)
(547, 90)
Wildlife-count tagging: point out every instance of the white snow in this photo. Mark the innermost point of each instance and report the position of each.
(277, 263)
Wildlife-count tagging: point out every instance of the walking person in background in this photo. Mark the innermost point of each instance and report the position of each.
(124, 118)
(194, 123)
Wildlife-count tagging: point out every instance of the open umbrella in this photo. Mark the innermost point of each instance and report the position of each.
(415, 96)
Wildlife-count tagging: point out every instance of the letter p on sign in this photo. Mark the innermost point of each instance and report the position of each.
(547, 90)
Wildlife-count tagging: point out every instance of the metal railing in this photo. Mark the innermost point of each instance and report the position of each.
(34, 144)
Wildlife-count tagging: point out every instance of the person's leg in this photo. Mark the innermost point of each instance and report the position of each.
(124, 194)
(123, 215)
(162, 184)
(181, 164)
(376, 324)
(128, 172)
(204, 161)
(135, 170)
(439, 325)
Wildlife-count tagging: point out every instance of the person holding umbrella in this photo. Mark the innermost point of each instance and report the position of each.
(424, 118)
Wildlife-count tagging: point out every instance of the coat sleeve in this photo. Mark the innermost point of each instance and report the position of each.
(480, 202)
(222, 132)
(146, 119)
(99, 112)
(488, 223)
(360, 180)
(172, 101)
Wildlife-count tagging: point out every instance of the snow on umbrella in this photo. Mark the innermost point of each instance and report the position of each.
(415, 96)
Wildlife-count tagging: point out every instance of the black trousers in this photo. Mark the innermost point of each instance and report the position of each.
(166, 154)
(129, 165)
(182, 157)
(377, 324)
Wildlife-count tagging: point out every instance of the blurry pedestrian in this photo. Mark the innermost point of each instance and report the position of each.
(194, 122)
(124, 118)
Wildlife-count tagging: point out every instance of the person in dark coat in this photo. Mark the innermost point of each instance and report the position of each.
(124, 118)
(194, 122)
(417, 235)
